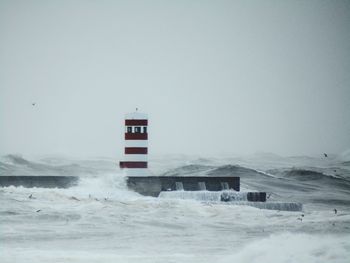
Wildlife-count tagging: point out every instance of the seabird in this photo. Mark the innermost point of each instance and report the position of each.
(38, 210)
(325, 155)
(335, 211)
(34, 103)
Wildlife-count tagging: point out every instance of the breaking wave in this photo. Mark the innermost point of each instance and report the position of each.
(313, 176)
(306, 174)
(205, 170)
(192, 169)
(288, 247)
(16, 159)
(13, 164)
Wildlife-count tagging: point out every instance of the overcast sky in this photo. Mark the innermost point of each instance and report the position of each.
(214, 76)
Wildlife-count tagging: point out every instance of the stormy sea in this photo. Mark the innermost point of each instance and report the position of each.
(100, 220)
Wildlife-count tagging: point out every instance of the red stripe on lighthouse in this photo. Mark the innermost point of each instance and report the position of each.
(136, 136)
(136, 122)
(135, 150)
(133, 164)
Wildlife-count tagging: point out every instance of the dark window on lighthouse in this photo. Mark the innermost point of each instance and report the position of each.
(129, 129)
(137, 129)
(144, 129)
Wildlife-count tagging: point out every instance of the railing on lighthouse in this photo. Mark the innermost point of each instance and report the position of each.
(136, 144)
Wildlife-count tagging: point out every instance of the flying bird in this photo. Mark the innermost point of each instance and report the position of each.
(34, 103)
(325, 155)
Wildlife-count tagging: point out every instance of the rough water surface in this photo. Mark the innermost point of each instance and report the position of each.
(100, 220)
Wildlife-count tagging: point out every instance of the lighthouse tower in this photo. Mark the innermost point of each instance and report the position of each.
(136, 144)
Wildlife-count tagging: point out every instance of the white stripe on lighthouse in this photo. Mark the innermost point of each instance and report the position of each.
(138, 172)
(136, 143)
(135, 158)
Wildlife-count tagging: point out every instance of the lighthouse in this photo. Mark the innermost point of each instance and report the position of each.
(136, 144)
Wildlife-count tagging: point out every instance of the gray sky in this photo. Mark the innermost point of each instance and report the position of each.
(214, 76)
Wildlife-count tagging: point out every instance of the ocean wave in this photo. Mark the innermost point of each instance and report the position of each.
(192, 169)
(15, 159)
(346, 163)
(206, 170)
(307, 174)
(291, 247)
(235, 170)
(314, 178)
(17, 165)
(344, 157)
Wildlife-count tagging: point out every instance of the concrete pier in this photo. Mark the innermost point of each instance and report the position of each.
(153, 185)
(223, 196)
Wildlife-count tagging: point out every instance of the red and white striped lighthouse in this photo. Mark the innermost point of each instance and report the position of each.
(136, 144)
